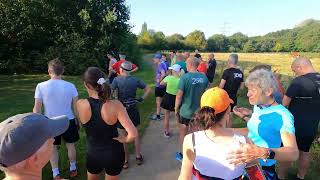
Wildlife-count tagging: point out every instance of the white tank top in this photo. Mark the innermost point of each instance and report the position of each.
(211, 157)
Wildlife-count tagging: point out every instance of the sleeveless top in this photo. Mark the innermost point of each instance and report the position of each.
(99, 134)
(210, 161)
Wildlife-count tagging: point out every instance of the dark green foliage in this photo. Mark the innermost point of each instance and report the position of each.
(305, 37)
(78, 32)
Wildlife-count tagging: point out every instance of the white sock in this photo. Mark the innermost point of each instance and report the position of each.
(73, 166)
(55, 172)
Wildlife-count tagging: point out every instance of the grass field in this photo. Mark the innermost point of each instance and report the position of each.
(17, 94)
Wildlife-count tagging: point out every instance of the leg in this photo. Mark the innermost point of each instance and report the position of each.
(137, 146)
(93, 176)
(166, 120)
(54, 160)
(158, 102)
(303, 164)
(183, 130)
(123, 132)
(283, 169)
(71, 152)
(108, 177)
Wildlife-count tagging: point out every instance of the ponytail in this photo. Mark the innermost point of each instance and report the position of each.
(95, 78)
(205, 118)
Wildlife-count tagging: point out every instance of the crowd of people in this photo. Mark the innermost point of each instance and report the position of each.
(280, 127)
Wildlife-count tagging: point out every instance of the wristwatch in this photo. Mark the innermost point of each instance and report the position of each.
(272, 154)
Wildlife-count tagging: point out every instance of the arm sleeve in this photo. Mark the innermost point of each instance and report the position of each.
(288, 124)
(114, 84)
(141, 84)
(37, 93)
(181, 84)
(74, 91)
(293, 89)
(225, 75)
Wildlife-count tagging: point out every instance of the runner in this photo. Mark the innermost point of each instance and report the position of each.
(161, 70)
(186, 55)
(27, 144)
(99, 116)
(182, 63)
(212, 64)
(232, 80)
(164, 59)
(278, 94)
(126, 87)
(173, 57)
(116, 66)
(206, 150)
(168, 102)
(270, 125)
(203, 67)
(191, 87)
(58, 97)
(303, 100)
(112, 74)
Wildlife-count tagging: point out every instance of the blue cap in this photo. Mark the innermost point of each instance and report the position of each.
(157, 56)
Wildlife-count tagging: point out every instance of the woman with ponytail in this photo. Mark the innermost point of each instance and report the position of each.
(99, 115)
(205, 151)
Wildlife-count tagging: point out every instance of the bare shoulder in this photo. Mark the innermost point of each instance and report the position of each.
(83, 104)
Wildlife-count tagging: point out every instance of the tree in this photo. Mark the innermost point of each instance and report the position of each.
(34, 31)
(175, 42)
(196, 40)
(218, 43)
(237, 41)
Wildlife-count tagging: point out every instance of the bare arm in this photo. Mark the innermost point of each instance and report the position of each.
(188, 158)
(163, 75)
(289, 151)
(286, 101)
(84, 110)
(147, 91)
(162, 83)
(37, 108)
(75, 110)
(178, 101)
(222, 83)
(242, 85)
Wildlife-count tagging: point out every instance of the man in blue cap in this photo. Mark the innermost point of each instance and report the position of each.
(161, 70)
(26, 144)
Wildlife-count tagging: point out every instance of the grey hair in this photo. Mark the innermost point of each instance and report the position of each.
(194, 62)
(233, 59)
(263, 79)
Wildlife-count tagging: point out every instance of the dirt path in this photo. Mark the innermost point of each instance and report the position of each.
(158, 152)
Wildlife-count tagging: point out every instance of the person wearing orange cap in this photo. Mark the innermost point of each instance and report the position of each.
(205, 151)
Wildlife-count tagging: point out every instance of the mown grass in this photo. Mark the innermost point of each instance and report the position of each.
(17, 96)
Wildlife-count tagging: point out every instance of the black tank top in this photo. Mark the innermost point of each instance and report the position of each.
(99, 133)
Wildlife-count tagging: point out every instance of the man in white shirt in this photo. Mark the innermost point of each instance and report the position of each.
(58, 96)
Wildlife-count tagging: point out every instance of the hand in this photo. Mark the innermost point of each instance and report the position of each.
(177, 112)
(241, 112)
(121, 139)
(246, 153)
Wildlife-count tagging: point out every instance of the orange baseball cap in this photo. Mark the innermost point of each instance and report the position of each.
(216, 98)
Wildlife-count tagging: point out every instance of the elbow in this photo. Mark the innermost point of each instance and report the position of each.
(133, 134)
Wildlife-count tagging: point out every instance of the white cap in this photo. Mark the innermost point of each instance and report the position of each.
(175, 67)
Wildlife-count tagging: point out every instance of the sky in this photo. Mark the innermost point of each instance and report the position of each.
(251, 17)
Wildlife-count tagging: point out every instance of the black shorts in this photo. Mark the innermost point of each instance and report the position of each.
(111, 161)
(184, 121)
(159, 92)
(168, 102)
(304, 142)
(134, 116)
(70, 136)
